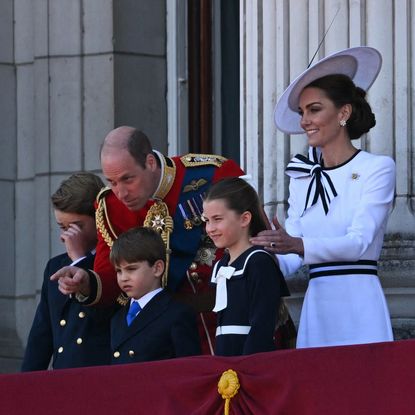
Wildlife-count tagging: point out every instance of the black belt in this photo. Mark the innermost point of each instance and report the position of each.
(327, 269)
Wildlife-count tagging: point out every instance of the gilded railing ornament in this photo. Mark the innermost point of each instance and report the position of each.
(228, 387)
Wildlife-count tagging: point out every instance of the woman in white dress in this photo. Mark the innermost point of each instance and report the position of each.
(340, 199)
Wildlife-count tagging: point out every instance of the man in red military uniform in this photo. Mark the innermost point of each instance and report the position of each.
(147, 188)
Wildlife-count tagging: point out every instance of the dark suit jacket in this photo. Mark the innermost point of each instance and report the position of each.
(74, 335)
(162, 330)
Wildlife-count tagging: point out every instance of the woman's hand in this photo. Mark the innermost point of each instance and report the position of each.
(278, 241)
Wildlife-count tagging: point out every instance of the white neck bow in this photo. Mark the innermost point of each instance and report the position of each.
(224, 273)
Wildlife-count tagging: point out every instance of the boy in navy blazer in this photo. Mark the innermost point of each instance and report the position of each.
(152, 326)
(73, 335)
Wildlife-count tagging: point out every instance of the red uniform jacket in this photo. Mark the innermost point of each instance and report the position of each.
(192, 253)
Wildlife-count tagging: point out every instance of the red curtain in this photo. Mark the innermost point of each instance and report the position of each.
(366, 379)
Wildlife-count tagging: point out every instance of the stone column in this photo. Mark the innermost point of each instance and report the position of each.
(9, 52)
(391, 96)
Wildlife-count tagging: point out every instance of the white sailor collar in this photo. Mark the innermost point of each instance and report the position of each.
(239, 266)
(225, 272)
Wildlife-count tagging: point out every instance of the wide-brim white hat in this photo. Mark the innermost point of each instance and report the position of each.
(362, 64)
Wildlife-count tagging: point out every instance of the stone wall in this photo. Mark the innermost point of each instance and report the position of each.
(70, 70)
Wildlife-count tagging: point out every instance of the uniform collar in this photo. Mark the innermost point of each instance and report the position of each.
(168, 174)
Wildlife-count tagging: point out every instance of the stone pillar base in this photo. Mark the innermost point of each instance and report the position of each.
(403, 328)
(11, 352)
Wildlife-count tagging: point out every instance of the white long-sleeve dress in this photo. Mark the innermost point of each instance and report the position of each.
(344, 303)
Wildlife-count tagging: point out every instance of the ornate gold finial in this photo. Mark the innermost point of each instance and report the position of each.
(228, 387)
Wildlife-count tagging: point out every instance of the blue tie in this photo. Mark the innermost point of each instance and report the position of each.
(132, 312)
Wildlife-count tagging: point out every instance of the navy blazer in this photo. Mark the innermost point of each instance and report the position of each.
(163, 329)
(74, 335)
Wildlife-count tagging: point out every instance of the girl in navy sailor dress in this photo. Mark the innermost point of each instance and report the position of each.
(249, 283)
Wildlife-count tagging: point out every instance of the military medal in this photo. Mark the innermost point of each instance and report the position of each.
(196, 220)
(206, 253)
(159, 219)
(187, 222)
(197, 206)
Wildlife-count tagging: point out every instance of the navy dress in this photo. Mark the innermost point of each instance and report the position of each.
(254, 291)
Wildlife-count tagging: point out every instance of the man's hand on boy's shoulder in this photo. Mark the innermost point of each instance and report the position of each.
(72, 280)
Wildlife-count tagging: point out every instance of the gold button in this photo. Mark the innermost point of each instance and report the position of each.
(195, 276)
(62, 323)
(131, 353)
(116, 355)
(81, 314)
(60, 350)
(78, 340)
(193, 266)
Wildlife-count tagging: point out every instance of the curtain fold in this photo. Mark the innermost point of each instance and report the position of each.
(364, 379)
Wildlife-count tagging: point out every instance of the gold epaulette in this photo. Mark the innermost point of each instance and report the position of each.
(101, 219)
(192, 160)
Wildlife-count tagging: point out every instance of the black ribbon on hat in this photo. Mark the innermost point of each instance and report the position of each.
(320, 185)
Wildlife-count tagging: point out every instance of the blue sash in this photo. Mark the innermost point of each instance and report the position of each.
(185, 243)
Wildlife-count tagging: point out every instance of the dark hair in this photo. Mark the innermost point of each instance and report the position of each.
(77, 194)
(139, 146)
(341, 90)
(240, 197)
(138, 244)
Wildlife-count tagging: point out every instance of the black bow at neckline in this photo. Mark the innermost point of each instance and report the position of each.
(320, 187)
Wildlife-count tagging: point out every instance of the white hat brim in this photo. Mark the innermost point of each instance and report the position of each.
(362, 64)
